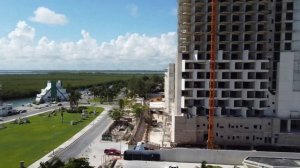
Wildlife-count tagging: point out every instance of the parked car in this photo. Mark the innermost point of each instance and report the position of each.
(23, 111)
(112, 151)
(1, 119)
(59, 104)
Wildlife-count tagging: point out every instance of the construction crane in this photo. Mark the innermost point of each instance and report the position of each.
(212, 64)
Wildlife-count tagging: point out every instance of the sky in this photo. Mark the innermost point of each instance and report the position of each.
(87, 34)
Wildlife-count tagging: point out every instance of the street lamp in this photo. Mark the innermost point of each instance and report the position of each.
(53, 126)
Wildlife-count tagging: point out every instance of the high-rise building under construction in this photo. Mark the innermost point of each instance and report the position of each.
(257, 92)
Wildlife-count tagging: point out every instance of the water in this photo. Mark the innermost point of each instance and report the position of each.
(30, 72)
(21, 72)
(20, 102)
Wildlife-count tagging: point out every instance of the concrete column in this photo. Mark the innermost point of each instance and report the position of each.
(288, 125)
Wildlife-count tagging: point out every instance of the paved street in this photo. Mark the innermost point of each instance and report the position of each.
(83, 139)
(31, 111)
(87, 138)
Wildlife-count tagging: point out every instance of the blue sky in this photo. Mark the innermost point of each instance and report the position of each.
(125, 24)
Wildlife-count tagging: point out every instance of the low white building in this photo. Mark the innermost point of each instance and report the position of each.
(157, 106)
(53, 92)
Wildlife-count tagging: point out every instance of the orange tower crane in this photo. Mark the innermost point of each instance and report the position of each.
(212, 64)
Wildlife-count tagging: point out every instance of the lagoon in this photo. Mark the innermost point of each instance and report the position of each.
(19, 102)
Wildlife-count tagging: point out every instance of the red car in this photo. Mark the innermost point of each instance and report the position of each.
(112, 151)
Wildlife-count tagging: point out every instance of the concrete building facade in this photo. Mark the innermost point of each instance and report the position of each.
(169, 88)
(257, 73)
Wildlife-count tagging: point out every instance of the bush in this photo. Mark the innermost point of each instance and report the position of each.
(2, 126)
(203, 164)
(78, 110)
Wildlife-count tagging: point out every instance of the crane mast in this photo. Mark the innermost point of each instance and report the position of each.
(213, 44)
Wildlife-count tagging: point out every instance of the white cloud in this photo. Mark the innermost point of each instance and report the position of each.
(20, 50)
(47, 16)
(133, 9)
(22, 35)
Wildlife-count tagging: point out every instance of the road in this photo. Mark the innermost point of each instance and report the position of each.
(31, 111)
(87, 138)
(91, 136)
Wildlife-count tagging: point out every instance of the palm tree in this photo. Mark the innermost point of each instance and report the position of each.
(121, 104)
(138, 109)
(116, 114)
(74, 98)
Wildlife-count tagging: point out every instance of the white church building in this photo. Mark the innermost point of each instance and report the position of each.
(53, 92)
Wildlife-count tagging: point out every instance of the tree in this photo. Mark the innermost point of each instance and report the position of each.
(68, 87)
(203, 164)
(121, 104)
(54, 163)
(72, 163)
(138, 109)
(128, 103)
(95, 91)
(74, 98)
(62, 116)
(116, 114)
(143, 85)
(78, 163)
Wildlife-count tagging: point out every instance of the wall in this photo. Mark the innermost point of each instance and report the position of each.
(287, 99)
(230, 157)
(296, 44)
(169, 87)
(177, 91)
(228, 130)
(234, 131)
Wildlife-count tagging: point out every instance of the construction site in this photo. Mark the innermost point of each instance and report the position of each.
(234, 87)
(237, 75)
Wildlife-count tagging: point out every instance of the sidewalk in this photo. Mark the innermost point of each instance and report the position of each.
(71, 140)
(95, 151)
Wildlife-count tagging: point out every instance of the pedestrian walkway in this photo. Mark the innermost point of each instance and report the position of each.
(95, 151)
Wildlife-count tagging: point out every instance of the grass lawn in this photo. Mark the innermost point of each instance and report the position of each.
(95, 100)
(30, 142)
